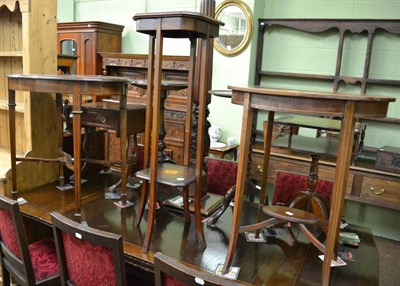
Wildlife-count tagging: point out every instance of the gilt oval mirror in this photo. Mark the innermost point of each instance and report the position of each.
(236, 34)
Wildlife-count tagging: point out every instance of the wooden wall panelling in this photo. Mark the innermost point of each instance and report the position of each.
(28, 32)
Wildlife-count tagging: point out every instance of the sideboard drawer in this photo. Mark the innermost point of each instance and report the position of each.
(382, 192)
(100, 118)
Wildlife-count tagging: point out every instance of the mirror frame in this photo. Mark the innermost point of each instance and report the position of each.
(250, 27)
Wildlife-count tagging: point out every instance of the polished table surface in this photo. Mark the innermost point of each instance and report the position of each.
(222, 151)
(346, 106)
(276, 262)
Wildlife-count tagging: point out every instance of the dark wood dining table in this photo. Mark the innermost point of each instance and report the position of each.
(280, 260)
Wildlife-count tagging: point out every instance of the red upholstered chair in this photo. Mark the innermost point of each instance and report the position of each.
(33, 264)
(172, 272)
(289, 184)
(221, 179)
(221, 175)
(87, 256)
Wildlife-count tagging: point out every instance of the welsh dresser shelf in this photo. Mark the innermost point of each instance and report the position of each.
(11, 54)
(364, 179)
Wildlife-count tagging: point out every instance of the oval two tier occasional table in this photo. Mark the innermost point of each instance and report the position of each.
(346, 106)
(77, 86)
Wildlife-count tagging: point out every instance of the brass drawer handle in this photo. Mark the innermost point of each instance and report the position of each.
(377, 192)
(260, 169)
(103, 120)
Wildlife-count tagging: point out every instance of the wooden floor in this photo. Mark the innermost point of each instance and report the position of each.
(279, 261)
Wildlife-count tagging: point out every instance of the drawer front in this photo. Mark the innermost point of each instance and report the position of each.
(381, 192)
(256, 170)
(107, 120)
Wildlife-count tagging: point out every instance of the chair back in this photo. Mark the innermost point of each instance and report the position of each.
(288, 184)
(171, 272)
(87, 256)
(28, 264)
(221, 175)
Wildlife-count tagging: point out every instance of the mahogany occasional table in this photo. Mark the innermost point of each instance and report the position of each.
(346, 106)
(198, 29)
(77, 86)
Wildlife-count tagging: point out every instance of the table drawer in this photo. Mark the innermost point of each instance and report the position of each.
(105, 119)
(381, 192)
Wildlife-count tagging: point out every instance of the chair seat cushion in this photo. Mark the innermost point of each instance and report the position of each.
(44, 259)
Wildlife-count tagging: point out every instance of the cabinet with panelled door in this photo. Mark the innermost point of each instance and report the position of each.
(85, 40)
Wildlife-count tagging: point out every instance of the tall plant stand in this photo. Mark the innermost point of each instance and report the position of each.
(195, 27)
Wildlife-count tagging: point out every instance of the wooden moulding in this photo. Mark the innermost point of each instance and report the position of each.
(24, 5)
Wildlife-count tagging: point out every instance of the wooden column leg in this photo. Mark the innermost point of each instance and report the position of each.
(339, 189)
(200, 139)
(186, 212)
(154, 135)
(106, 154)
(245, 136)
(267, 150)
(13, 152)
(76, 112)
(316, 204)
(61, 177)
(123, 148)
(148, 126)
(303, 199)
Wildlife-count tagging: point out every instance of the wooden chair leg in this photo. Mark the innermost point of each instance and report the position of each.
(228, 198)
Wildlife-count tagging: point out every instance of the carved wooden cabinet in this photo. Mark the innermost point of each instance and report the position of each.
(25, 48)
(174, 68)
(85, 40)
